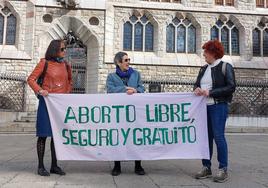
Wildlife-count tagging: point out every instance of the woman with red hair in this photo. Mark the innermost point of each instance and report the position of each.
(216, 81)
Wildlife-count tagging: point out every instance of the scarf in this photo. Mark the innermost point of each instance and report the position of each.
(122, 74)
(58, 59)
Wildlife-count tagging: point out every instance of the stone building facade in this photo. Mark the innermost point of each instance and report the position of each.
(99, 25)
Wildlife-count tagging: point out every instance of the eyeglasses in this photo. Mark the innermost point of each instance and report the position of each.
(62, 49)
(126, 60)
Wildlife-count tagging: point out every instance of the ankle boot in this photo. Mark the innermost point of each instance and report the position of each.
(138, 168)
(43, 172)
(117, 169)
(57, 170)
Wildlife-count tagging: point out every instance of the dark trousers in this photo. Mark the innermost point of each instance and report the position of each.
(137, 163)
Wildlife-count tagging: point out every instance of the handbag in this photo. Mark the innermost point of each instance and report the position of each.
(40, 80)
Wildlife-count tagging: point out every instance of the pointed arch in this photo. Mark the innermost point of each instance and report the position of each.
(223, 17)
(228, 29)
(236, 22)
(180, 15)
(59, 28)
(9, 24)
(136, 13)
(187, 29)
(193, 19)
(264, 20)
(139, 31)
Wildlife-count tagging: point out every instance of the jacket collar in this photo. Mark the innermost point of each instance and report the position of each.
(215, 63)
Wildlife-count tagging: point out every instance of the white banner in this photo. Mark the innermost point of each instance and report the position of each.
(144, 126)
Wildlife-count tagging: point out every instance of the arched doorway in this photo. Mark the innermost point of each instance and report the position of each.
(83, 53)
(76, 55)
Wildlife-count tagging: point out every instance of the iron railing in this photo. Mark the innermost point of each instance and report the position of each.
(12, 92)
(250, 97)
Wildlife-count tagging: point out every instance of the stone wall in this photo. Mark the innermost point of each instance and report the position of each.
(33, 39)
(203, 22)
(77, 21)
(240, 6)
(10, 54)
(159, 64)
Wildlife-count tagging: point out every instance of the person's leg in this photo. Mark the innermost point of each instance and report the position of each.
(205, 172)
(138, 168)
(117, 168)
(54, 166)
(219, 120)
(207, 162)
(40, 146)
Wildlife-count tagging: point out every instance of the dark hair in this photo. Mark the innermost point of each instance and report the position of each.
(215, 48)
(119, 57)
(53, 49)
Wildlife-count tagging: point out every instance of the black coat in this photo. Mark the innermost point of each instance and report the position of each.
(223, 85)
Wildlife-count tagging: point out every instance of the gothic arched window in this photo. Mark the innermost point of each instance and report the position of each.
(225, 39)
(8, 24)
(170, 38)
(228, 35)
(191, 39)
(265, 42)
(256, 37)
(2, 21)
(235, 41)
(214, 32)
(149, 35)
(260, 40)
(138, 37)
(127, 36)
(138, 34)
(181, 35)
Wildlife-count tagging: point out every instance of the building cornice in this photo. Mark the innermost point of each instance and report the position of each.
(180, 7)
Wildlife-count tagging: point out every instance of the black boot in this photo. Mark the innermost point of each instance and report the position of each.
(138, 168)
(40, 146)
(57, 170)
(43, 172)
(54, 166)
(117, 169)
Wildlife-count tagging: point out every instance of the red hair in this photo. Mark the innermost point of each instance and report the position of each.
(215, 48)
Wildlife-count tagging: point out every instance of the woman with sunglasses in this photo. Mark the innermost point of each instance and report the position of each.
(57, 79)
(124, 80)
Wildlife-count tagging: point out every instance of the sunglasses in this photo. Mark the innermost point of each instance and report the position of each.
(62, 49)
(126, 60)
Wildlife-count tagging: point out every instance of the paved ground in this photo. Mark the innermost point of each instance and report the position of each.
(248, 168)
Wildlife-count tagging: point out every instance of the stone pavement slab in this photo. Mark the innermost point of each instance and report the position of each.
(248, 168)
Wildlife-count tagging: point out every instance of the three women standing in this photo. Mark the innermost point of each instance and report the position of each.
(216, 80)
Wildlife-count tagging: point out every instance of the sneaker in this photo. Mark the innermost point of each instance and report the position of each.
(57, 170)
(139, 170)
(221, 176)
(204, 173)
(116, 171)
